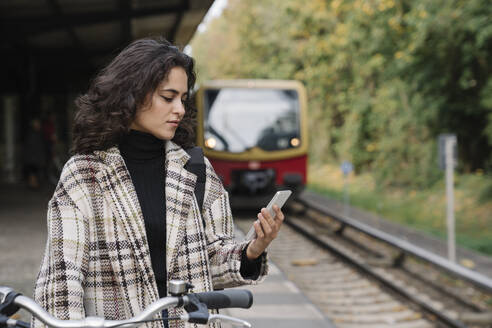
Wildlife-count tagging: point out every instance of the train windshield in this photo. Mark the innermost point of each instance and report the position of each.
(238, 119)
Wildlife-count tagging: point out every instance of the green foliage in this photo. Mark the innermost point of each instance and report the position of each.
(384, 77)
(485, 195)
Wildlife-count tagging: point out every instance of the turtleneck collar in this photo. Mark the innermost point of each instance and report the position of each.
(137, 145)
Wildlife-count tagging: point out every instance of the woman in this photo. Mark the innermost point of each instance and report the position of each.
(34, 155)
(123, 220)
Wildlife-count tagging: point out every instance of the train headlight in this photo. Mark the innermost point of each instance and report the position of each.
(211, 143)
(294, 142)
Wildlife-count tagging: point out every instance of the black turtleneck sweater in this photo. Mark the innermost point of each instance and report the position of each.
(144, 158)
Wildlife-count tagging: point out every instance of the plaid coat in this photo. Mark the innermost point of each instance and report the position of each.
(97, 260)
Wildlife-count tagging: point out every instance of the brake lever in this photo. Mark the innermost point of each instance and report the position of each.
(8, 322)
(231, 320)
(7, 297)
(197, 312)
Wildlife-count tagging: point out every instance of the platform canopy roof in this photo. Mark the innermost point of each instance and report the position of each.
(55, 45)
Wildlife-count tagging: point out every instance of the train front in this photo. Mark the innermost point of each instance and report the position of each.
(253, 132)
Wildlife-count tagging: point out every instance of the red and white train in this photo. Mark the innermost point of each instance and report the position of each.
(255, 134)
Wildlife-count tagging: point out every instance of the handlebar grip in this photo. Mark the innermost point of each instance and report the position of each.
(231, 298)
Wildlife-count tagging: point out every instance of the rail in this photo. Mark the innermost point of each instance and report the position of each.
(475, 278)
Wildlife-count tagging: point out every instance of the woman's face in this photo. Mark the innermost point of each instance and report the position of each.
(161, 115)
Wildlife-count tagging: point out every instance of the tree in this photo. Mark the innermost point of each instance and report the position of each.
(384, 77)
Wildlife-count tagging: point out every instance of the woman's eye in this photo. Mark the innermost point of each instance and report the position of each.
(167, 99)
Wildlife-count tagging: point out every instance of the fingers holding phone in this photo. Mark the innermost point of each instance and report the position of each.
(277, 201)
(266, 228)
(270, 224)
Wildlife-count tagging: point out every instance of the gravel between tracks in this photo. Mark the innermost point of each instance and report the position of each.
(345, 296)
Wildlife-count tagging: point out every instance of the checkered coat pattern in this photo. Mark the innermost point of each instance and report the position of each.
(97, 260)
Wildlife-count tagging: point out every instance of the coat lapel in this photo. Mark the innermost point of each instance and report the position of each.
(180, 185)
(119, 191)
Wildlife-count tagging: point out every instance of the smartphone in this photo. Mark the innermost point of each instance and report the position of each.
(278, 199)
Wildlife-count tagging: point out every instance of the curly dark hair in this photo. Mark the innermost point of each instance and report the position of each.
(108, 108)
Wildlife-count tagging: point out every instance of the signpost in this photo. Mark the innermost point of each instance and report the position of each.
(447, 160)
(346, 169)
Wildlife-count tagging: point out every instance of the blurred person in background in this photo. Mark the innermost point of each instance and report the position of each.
(54, 163)
(34, 155)
(124, 219)
(49, 134)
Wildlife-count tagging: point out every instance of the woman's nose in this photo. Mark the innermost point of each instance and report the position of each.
(180, 108)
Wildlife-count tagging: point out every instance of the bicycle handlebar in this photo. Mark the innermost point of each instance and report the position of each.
(213, 300)
(232, 298)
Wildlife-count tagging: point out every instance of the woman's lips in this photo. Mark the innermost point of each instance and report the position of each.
(173, 123)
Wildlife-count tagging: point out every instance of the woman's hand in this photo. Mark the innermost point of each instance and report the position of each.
(266, 228)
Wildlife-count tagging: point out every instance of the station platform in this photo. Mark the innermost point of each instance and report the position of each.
(277, 302)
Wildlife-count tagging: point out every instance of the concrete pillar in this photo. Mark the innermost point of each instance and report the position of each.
(9, 103)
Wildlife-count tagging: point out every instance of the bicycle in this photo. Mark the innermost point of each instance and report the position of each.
(196, 306)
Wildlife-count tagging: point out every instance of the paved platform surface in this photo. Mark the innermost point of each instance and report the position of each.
(277, 302)
(22, 235)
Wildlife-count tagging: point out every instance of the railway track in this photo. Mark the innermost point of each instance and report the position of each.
(358, 281)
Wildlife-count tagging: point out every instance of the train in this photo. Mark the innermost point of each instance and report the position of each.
(254, 132)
